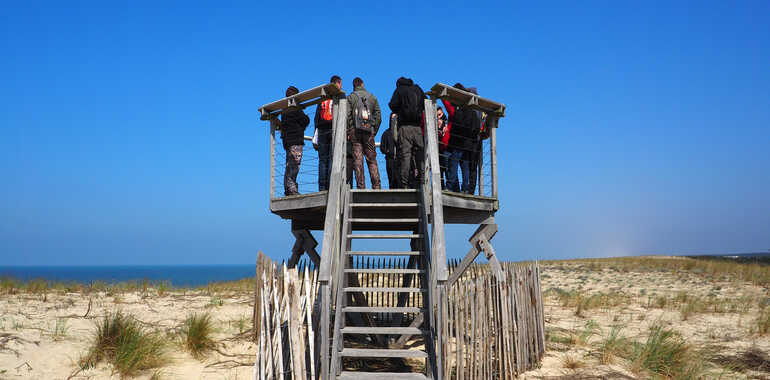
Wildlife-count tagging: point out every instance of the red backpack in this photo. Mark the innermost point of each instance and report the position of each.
(326, 110)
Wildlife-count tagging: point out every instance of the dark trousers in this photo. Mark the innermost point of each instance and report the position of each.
(443, 162)
(324, 158)
(391, 165)
(363, 145)
(457, 158)
(411, 149)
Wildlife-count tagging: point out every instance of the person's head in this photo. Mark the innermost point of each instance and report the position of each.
(291, 91)
(358, 82)
(459, 86)
(336, 80)
(440, 112)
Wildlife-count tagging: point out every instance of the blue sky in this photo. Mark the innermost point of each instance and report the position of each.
(129, 134)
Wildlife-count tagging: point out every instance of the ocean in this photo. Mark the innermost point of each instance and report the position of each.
(177, 275)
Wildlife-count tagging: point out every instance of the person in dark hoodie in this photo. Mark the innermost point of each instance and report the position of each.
(461, 137)
(364, 118)
(408, 103)
(476, 145)
(388, 148)
(323, 125)
(292, 126)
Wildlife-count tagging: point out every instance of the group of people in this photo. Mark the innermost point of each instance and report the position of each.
(460, 132)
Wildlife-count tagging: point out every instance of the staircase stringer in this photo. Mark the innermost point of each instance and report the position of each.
(341, 279)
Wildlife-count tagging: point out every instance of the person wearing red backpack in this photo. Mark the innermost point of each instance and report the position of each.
(323, 136)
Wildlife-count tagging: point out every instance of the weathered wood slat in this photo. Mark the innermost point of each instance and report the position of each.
(382, 353)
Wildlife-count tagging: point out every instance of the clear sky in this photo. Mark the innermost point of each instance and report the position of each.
(129, 130)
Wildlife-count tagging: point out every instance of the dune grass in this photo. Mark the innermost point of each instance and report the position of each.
(197, 332)
(666, 353)
(126, 345)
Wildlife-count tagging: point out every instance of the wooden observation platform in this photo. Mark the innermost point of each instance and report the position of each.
(351, 328)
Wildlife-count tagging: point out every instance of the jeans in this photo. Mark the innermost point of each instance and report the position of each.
(443, 161)
(324, 158)
(457, 157)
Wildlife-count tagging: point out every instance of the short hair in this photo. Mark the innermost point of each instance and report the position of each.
(357, 82)
(291, 91)
(335, 79)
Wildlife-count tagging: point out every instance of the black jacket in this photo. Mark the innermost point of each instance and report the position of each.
(466, 125)
(293, 124)
(388, 143)
(402, 84)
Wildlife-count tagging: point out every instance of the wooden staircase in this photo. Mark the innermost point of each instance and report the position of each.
(358, 333)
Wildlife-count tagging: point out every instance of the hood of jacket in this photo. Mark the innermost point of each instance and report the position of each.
(404, 82)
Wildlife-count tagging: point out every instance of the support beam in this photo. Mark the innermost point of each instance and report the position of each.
(304, 243)
(417, 322)
(486, 232)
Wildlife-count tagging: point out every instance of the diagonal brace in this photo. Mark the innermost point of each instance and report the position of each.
(304, 243)
(479, 242)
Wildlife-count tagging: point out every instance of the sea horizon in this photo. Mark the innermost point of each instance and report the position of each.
(176, 274)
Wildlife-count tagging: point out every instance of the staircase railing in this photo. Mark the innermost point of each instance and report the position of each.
(436, 264)
(332, 255)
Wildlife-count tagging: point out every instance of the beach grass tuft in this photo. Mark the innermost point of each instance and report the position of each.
(665, 353)
(121, 341)
(197, 332)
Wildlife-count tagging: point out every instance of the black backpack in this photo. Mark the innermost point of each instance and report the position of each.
(462, 124)
(412, 105)
(361, 114)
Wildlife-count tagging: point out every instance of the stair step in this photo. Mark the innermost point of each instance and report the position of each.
(384, 236)
(384, 309)
(383, 190)
(383, 253)
(381, 353)
(350, 375)
(352, 289)
(385, 220)
(384, 270)
(382, 330)
(386, 205)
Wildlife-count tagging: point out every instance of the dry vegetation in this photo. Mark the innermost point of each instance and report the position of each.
(656, 317)
(143, 330)
(621, 318)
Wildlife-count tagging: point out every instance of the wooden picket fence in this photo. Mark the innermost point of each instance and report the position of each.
(284, 322)
(492, 329)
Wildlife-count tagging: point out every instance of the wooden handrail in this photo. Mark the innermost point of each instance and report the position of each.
(465, 98)
(438, 247)
(337, 181)
(303, 99)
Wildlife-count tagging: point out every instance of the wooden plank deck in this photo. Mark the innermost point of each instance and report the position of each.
(307, 211)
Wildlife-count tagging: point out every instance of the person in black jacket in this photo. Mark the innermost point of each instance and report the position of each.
(292, 126)
(388, 148)
(408, 103)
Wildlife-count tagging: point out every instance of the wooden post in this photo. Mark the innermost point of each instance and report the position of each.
(273, 127)
(493, 154)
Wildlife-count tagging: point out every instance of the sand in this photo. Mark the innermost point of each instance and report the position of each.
(43, 336)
